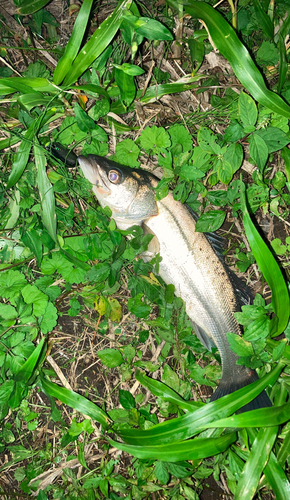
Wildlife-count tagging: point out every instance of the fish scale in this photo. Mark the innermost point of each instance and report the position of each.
(189, 261)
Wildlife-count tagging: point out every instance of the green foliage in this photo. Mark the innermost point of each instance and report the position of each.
(62, 258)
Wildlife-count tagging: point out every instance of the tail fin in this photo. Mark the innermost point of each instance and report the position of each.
(227, 386)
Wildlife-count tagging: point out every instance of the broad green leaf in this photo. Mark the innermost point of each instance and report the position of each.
(227, 42)
(240, 346)
(126, 86)
(152, 29)
(75, 401)
(270, 269)
(210, 221)
(31, 239)
(274, 137)
(254, 466)
(175, 452)
(7, 311)
(224, 171)
(110, 357)
(46, 194)
(258, 150)
(154, 139)
(130, 69)
(74, 43)
(126, 399)
(98, 42)
(247, 109)
(32, 295)
(84, 121)
(31, 6)
(190, 424)
(234, 155)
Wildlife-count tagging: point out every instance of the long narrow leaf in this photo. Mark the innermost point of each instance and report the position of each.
(97, 43)
(48, 214)
(74, 43)
(264, 20)
(270, 269)
(263, 417)
(26, 370)
(163, 391)
(254, 466)
(14, 84)
(75, 401)
(227, 42)
(187, 450)
(190, 424)
(274, 473)
(21, 157)
(29, 7)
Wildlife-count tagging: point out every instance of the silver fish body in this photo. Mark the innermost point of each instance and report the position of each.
(188, 260)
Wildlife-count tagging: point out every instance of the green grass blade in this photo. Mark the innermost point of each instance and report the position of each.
(75, 401)
(97, 43)
(263, 417)
(163, 391)
(31, 6)
(257, 461)
(74, 43)
(46, 192)
(29, 101)
(188, 450)
(190, 424)
(155, 92)
(274, 474)
(284, 450)
(24, 85)
(283, 64)
(227, 42)
(270, 269)
(265, 22)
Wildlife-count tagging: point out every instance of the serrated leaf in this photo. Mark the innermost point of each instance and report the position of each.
(32, 295)
(154, 138)
(240, 346)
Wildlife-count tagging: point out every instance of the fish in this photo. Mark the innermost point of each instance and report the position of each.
(190, 261)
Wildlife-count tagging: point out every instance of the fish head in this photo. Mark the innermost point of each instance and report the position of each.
(127, 192)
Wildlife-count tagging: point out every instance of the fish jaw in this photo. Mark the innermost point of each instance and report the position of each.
(92, 172)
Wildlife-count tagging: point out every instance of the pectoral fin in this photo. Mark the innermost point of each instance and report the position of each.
(206, 341)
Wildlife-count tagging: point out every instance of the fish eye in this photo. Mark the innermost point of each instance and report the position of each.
(114, 176)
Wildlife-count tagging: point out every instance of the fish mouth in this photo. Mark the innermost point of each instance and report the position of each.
(93, 173)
